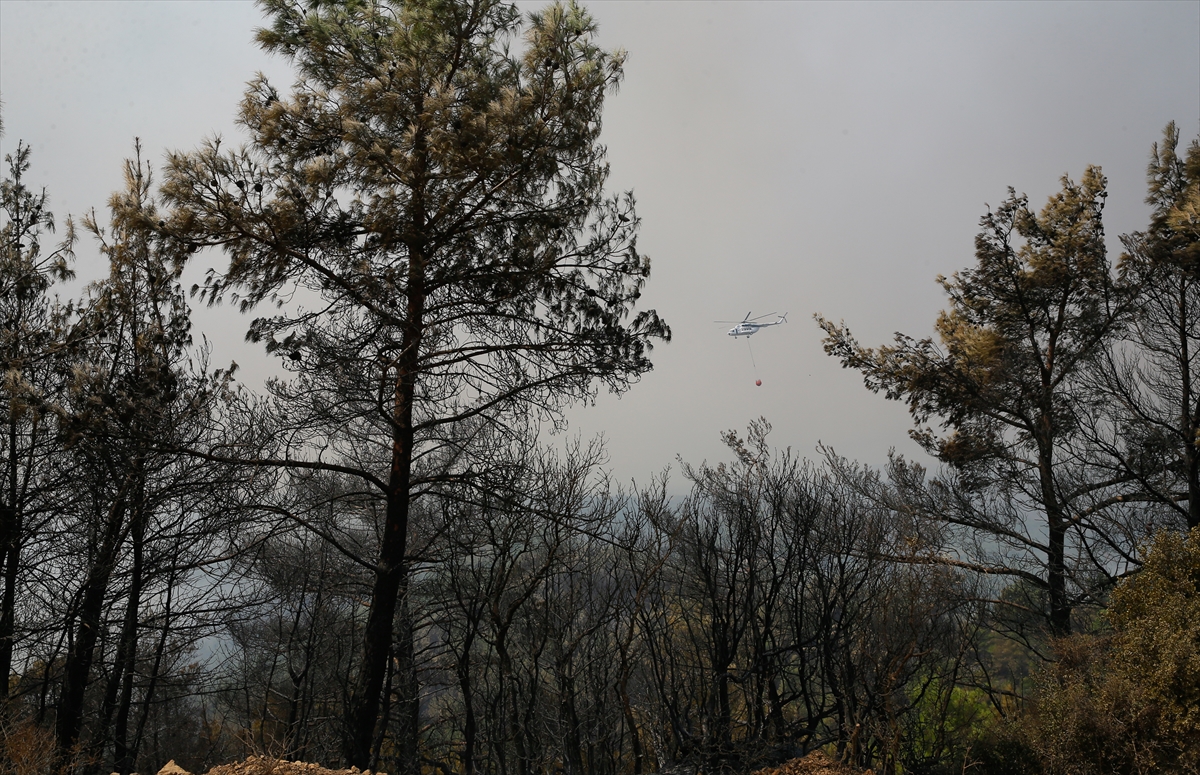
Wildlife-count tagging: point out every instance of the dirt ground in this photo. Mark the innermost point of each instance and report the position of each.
(815, 763)
(260, 765)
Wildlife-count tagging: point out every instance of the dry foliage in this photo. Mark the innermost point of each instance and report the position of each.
(26, 749)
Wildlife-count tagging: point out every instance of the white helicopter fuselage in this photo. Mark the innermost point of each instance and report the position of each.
(749, 328)
(744, 329)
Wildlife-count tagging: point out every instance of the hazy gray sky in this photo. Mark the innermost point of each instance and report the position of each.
(787, 157)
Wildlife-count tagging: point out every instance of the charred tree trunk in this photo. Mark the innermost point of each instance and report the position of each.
(1056, 524)
(391, 577)
(156, 668)
(10, 557)
(1190, 413)
(465, 686)
(123, 752)
(78, 666)
(119, 692)
(627, 710)
(569, 718)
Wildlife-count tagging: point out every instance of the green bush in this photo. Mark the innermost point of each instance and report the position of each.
(1129, 701)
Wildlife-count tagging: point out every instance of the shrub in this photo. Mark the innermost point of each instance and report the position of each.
(1129, 701)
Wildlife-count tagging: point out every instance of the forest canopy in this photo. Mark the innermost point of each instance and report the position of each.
(379, 560)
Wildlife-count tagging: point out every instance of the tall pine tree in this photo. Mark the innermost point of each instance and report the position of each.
(428, 208)
(1022, 326)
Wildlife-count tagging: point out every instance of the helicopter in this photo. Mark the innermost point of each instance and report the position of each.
(748, 327)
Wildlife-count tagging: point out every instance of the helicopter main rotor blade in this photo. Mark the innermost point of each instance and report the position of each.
(760, 317)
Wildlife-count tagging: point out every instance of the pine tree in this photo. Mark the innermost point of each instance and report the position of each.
(1021, 328)
(1155, 379)
(32, 352)
(428, 210)
(135, 398)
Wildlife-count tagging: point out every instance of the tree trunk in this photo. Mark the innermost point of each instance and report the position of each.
(1056, 573)
(156, 669)
(569, 718)
(123, 665)
(776, 725)
(407, 690)
(508, 684)
(391, 578)
(1190, 414)
(10, 556)
(79, 659)
(464, 685)
(123, 753)
(627, 709)
(385, 714)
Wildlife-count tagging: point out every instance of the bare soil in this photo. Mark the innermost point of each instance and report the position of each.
(815, 763)
(262, 765)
